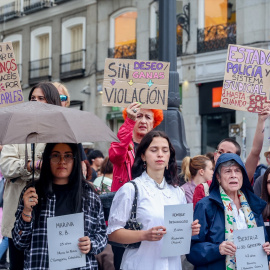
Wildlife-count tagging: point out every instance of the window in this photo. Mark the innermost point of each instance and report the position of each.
(72, 62)
(17, 48)
(9, 9)
(123, 34)
(217, 24)
(219, 12)
(41, 53)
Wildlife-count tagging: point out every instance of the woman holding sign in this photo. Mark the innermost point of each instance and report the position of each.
(231, 205)
(155, 174)
(18, 174)
(60, 190)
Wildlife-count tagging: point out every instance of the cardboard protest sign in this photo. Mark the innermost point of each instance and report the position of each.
(63, 238)
(247, 79)
(177, 220)
(10, 87)
(127, 81)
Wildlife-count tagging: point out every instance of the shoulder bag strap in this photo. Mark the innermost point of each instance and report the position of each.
(104, 173)
(134, 204)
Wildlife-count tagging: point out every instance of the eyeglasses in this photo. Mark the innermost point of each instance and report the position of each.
(56, 158)
(219, 152)
(63, 97)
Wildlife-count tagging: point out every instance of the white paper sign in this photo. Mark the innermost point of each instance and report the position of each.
(250, 254)
(63, 234)
(177, 220)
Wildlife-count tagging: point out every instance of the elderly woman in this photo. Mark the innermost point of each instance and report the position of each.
(137, 123)
(231, 196)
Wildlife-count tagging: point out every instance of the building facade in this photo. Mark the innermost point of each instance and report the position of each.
(69, 40)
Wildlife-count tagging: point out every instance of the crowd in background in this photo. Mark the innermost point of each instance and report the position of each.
(70, 179)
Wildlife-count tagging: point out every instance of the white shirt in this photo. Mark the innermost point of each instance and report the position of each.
(239, 216)
(150, 212)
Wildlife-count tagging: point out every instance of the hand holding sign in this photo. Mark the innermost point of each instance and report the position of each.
(133, 109)
(195, 227)
(84, 244)
(155, 233)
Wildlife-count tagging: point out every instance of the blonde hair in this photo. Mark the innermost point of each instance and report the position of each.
(61, 86)
(190, 166)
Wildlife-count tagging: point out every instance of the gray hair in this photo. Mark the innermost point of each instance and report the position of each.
(227, 164)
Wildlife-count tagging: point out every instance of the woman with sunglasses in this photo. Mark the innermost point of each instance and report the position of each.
(18, 174)
(60, 190)
(64, 94)
(65, 102)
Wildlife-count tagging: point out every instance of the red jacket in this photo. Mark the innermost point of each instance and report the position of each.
(199, 193)
(119, 155)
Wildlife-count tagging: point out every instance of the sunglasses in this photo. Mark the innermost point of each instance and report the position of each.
(63, 98)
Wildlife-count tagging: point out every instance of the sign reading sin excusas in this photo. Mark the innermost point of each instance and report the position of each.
(10, 87)
(127, 81)
(247, 79)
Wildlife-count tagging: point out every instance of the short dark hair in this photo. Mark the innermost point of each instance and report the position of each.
(234, 142)
(95, 154)
(50, 92)
(137, 168)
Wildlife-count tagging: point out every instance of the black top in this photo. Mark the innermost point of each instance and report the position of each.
(135, 146)
(94, 175)
(63, 203)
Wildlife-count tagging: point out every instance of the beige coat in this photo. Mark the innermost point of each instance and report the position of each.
(12, 163)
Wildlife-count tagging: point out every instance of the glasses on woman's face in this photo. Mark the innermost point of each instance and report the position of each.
(63, 97)
(56, 158)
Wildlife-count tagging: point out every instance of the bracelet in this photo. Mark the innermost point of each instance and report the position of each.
(29, 216)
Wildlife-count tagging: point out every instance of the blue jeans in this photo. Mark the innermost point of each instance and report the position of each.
(3, 246)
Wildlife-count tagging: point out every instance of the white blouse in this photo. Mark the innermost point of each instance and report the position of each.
(150, 212)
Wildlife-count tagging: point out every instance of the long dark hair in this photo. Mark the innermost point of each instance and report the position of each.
(44, 184)
(137, 168)
(50, 92)
(265, 196)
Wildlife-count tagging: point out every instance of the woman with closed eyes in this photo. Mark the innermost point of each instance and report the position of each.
(155, 175)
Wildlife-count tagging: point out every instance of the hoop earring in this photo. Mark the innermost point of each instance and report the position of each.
(144, 165)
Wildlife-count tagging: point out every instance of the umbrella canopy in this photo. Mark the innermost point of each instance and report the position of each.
(45, 123)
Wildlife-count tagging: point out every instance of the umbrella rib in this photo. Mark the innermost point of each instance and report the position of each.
(70, 127)
(6, 129)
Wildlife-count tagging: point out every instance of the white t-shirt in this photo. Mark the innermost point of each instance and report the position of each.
(150, 212)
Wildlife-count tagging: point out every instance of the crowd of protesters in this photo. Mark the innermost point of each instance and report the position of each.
(67, 181)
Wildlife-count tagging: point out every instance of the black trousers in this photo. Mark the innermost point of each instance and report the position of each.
(117, 256)
(16, 256)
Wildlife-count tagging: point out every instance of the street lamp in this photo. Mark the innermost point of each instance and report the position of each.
(173, 123)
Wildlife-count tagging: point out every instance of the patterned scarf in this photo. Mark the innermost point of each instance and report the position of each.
(230, 222)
